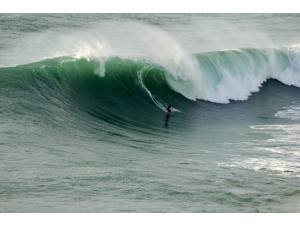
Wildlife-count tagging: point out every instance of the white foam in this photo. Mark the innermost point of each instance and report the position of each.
(272, 165)
(291, 112)
(278, 155)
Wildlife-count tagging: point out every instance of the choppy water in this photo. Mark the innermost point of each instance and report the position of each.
(82, 101)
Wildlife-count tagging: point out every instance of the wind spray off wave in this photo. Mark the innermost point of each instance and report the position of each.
(216, 76)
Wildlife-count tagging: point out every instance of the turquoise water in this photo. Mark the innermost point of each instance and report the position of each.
(82, 101)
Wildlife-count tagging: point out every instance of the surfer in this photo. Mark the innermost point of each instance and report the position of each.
(168, 114)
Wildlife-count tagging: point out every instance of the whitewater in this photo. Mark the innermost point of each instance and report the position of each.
(83, 100)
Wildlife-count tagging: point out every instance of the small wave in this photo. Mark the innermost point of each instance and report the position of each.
(291, 112)
(279, 153)
(273, 166)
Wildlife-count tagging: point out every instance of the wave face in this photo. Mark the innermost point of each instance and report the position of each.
(67, 89)
(134, 91)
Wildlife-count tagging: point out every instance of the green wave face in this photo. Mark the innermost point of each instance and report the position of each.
(131, 90)
(129, 94)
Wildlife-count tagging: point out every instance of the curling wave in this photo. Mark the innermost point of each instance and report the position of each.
(218, 76)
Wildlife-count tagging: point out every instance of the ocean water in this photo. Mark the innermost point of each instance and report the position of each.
(82, 108)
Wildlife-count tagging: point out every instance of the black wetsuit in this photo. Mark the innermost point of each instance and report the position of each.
(168, 115)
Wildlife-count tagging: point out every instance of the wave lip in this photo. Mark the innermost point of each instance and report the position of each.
(235, 74)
